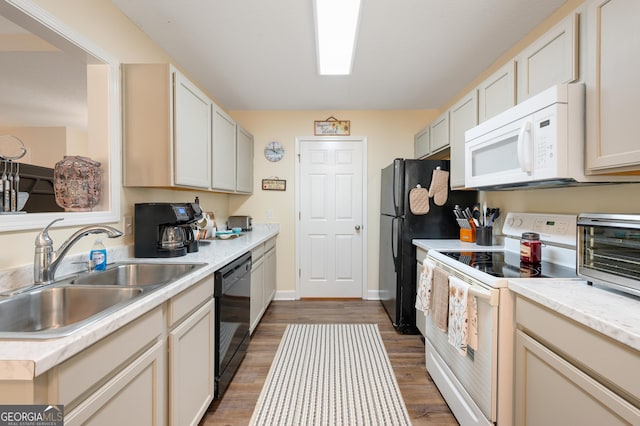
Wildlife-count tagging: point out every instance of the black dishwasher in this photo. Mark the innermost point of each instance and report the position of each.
(232, 303)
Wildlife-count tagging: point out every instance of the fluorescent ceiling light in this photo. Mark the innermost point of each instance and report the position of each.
(336, 29)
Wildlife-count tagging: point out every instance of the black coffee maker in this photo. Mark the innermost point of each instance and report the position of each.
(164, 229)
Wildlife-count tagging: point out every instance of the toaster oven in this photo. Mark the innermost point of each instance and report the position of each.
(609, 250)
(244, 222)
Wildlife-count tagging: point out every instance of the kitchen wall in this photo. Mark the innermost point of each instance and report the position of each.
(389, 135)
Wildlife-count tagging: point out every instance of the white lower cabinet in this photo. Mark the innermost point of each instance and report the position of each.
(118, 380)
(564, 373)
(134, 396)
(257, 288)
(263, 280)
(269, 272)
(191, 367)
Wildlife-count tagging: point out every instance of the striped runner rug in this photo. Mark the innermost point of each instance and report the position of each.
(331, 374)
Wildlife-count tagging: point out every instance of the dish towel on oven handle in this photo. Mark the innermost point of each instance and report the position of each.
(463, 317)
(440, 298)
(425, 287)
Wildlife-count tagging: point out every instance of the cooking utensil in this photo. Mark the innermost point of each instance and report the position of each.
(6, 202)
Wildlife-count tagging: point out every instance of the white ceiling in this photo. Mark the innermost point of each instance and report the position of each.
(410, 54)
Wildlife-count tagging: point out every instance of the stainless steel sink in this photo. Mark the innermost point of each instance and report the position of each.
(53, 311)
(59, 309)
(137, 274)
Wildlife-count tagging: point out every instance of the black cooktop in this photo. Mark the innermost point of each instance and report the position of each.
(507, 265)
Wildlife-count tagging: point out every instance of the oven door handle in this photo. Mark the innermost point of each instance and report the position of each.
(492, 296)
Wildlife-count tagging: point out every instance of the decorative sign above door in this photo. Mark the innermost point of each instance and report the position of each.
(332, 127)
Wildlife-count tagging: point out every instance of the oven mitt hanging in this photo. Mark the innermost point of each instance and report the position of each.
(439, 188)
(419, 200)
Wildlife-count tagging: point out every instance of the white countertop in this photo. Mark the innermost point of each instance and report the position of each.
(453, 245)
(607, 311)
(25, 359)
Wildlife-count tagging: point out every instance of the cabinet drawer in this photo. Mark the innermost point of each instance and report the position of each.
(134, 396)
(257, 253)
(189, 300)
(270, 244)
(610, 362)
(93, 366)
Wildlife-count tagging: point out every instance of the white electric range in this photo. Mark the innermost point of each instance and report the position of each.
(478, 387)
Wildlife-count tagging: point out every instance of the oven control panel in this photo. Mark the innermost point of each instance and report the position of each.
(553, 228)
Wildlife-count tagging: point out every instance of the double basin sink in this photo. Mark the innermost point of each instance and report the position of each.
(65, 306)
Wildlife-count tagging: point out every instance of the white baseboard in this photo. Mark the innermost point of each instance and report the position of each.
(286, 295)
(373, 295)
(292, 295)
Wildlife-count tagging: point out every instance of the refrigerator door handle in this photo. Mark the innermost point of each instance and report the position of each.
(394, 243)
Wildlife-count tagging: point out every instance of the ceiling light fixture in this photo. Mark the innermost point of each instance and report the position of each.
(336, 30)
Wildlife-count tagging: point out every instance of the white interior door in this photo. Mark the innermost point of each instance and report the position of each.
(330, 204)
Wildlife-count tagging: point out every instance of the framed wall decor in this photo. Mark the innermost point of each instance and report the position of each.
(274, 184)
(332, 127)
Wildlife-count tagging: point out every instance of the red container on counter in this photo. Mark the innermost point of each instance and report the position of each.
(530, 248)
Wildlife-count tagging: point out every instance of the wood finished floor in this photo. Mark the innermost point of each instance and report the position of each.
(406, 353)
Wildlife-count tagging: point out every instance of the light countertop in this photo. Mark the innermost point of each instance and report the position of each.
(25, 359)
(607, 311)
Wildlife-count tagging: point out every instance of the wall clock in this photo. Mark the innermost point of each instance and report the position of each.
(274, 151)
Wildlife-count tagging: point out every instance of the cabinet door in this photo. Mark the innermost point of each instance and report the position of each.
(192, 129)
(224, 151)
(498, 92)
(462, 116)
(550, 60)
(439, 130)
(612, 80)
(191, 367)
(133, 397)
(244, 161)
(421, 143)
(257, 293)
(269, 277)
(550, 390)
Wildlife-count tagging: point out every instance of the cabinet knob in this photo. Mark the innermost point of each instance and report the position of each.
(357, 227)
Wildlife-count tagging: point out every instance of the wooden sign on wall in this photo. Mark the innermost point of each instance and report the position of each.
(332, 127)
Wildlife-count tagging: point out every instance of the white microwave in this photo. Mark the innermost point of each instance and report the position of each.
(539, 142)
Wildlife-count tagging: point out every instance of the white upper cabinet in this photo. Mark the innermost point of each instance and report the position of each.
(244, 161)
(192, 134)
(224, 151)
(550, 60)
(439, 130)
(462, 116)
(421, 143)
(498, 92)
(613, 62)
(175, 136)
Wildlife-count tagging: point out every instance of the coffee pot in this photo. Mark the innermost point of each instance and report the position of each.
(164, 229)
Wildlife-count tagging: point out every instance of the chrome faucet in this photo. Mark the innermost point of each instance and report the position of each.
(46, 260)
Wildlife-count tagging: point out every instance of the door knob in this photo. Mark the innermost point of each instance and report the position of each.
(357, 227)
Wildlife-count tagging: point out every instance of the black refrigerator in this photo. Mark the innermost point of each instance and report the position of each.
(398, 227)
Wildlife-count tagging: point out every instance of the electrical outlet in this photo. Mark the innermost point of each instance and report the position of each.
(269, 214)
(128, 225)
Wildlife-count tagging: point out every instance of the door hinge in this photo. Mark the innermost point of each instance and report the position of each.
(300, 273)
(299, 215)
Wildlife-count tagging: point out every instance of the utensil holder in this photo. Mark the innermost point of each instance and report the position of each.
(484, 235)
(467, 235)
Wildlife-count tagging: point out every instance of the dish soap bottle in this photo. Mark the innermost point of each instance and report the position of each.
(98, 255)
